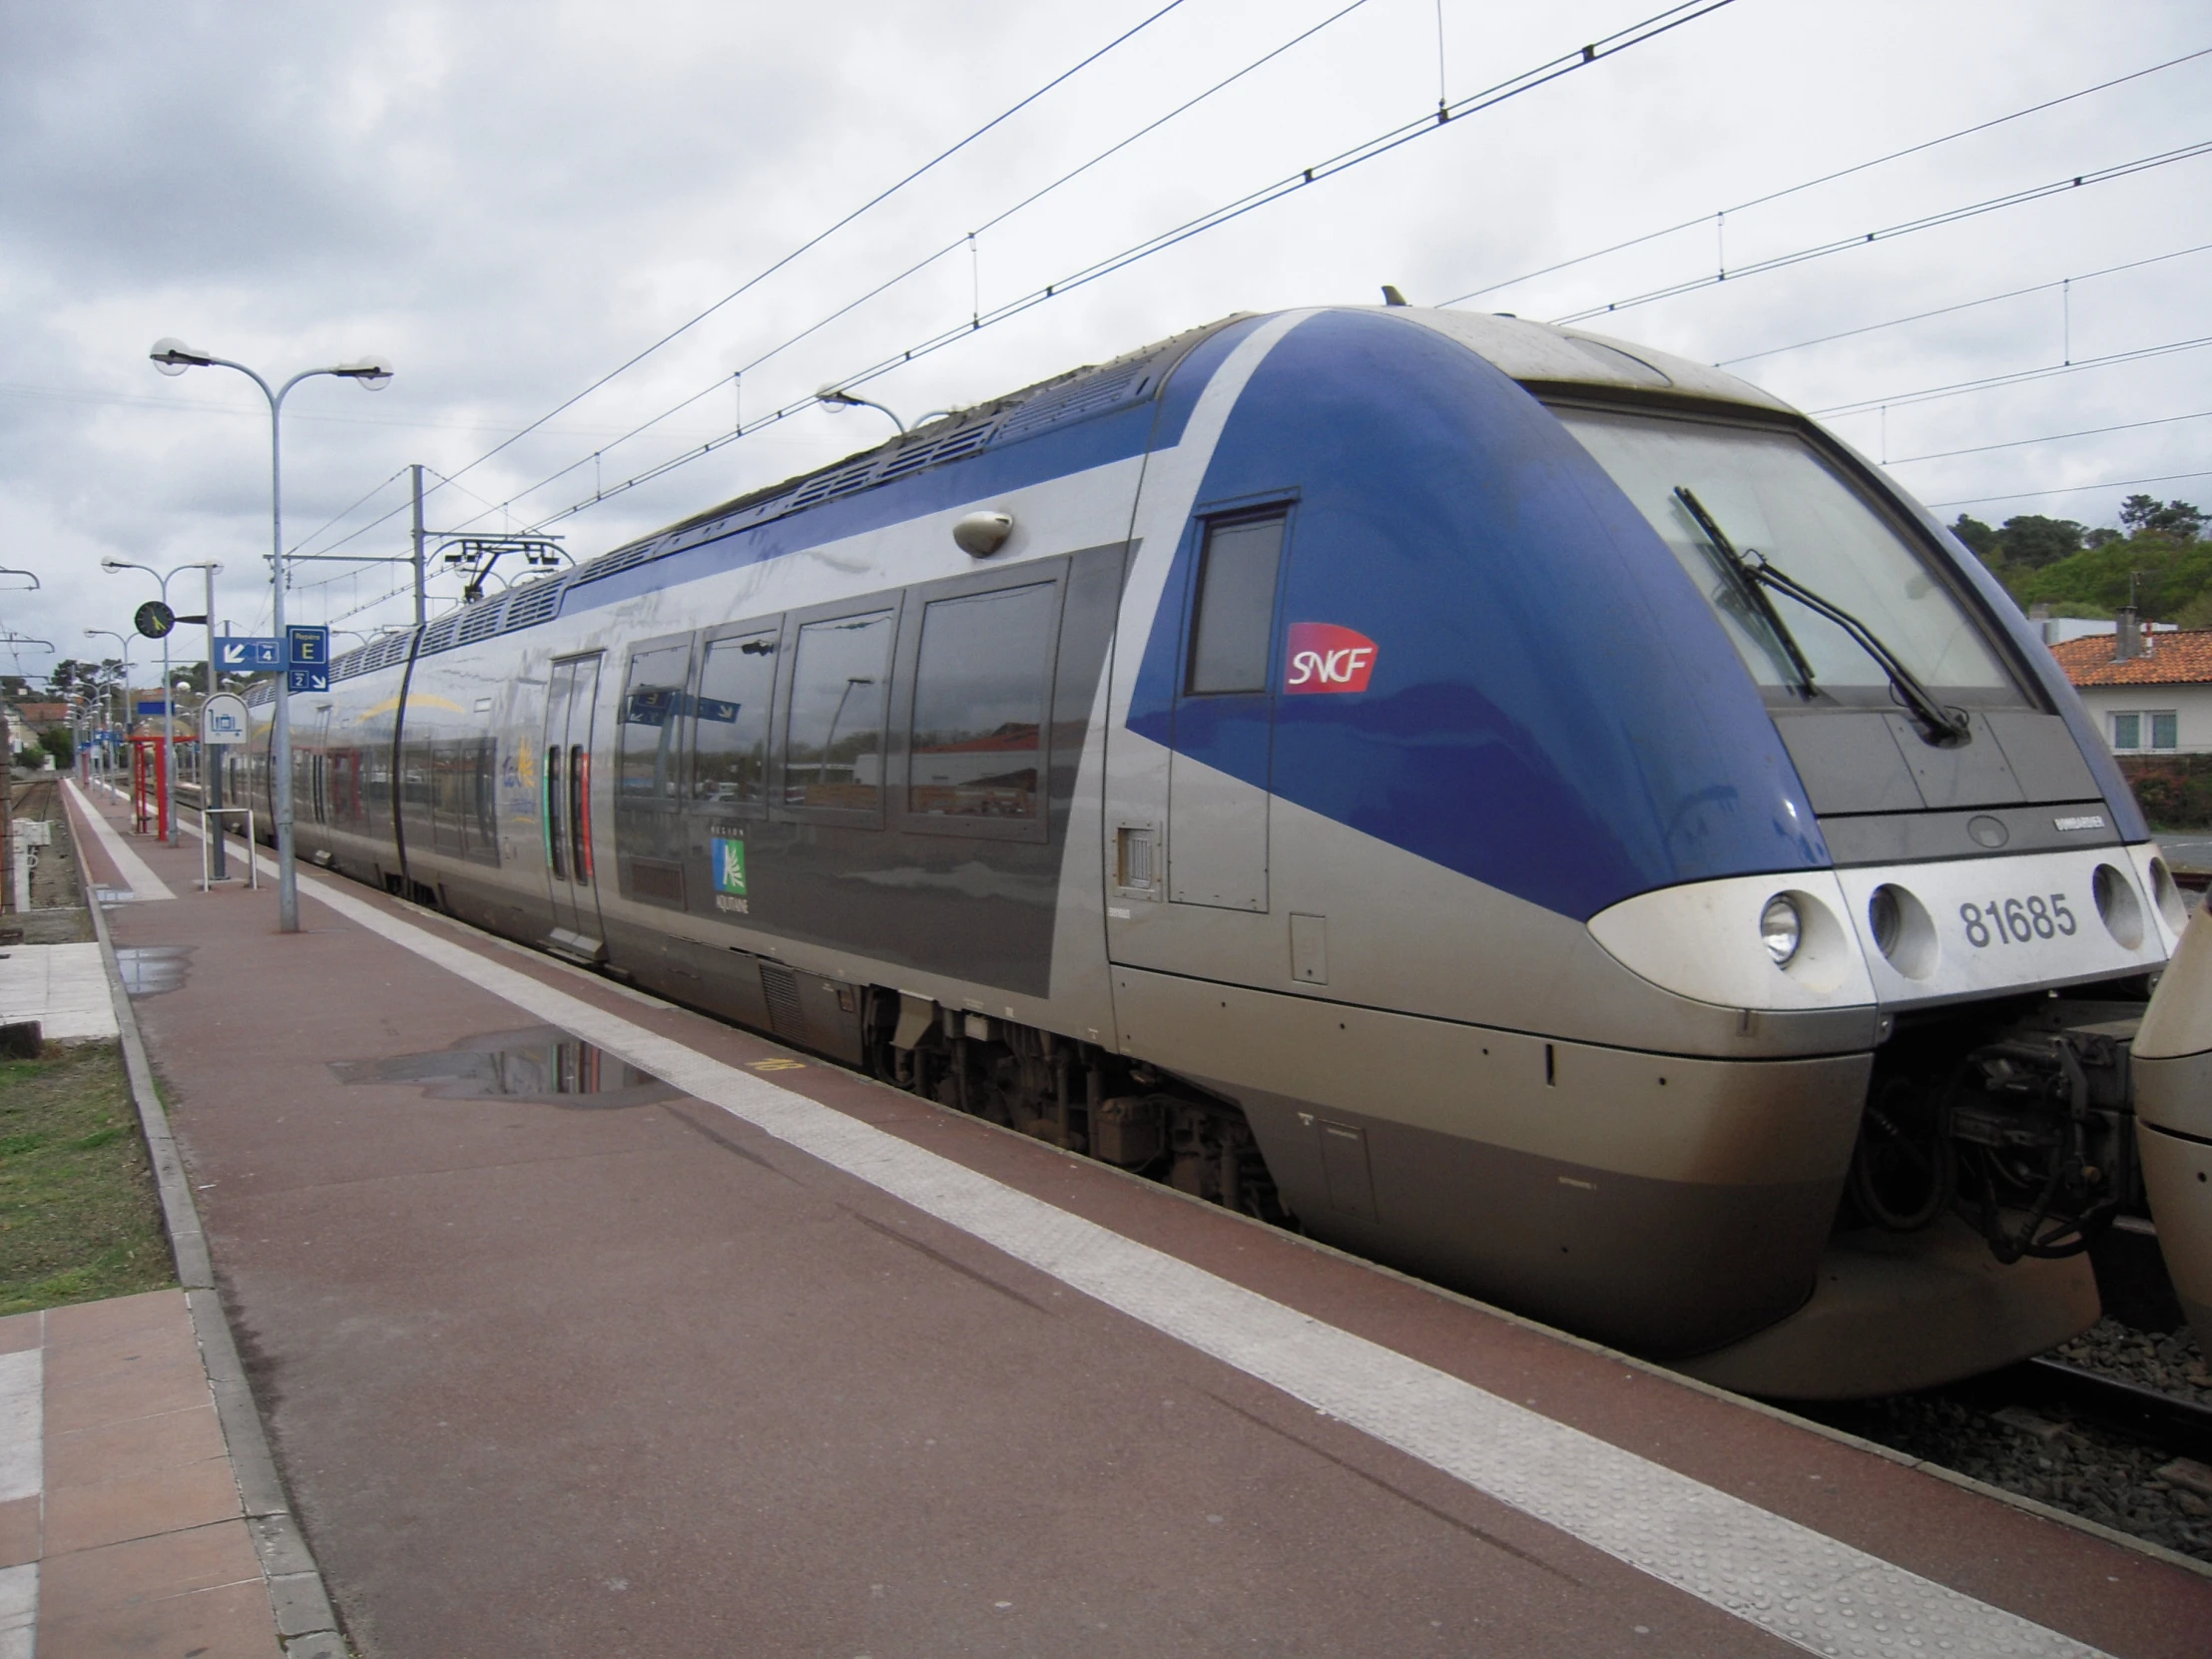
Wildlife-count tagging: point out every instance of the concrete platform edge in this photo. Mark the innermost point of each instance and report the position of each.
(305, 1621)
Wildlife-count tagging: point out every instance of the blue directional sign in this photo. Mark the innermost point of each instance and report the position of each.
(308, 653)
(150, 706)
(248, 651)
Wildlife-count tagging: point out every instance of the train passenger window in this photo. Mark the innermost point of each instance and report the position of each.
(652, 703)
(979, 704)
(1234, 622)
(730, 721)
(833, 742)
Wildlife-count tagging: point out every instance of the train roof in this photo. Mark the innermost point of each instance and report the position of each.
(1538, 354)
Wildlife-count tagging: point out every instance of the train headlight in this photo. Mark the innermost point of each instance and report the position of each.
(1780, 929)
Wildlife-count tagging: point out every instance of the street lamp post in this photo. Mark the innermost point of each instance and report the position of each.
(837, 400)
(124, 640)
(172, 356)
(169, 692)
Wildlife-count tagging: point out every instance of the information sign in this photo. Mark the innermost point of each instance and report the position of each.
(249, 652)
(307, 657)
(223, 718)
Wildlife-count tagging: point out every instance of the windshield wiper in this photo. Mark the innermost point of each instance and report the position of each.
(1745, 578)
(1755, 572)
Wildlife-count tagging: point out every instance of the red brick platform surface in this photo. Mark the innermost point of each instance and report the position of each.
(136, 1533)
(685, 1377)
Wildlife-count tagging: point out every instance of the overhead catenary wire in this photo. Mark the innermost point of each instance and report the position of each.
(1927, 394)
(820, 237)
(803, 248)
(1649, 29)
(1720, 216)
(2053, 437)
(1926, 222)
(952, 247)
(342, 512)
(2070, 489)
(1962, 306)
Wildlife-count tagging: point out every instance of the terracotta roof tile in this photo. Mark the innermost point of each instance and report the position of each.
(2182, 658)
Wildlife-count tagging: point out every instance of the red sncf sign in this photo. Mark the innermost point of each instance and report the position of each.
(1327, 658)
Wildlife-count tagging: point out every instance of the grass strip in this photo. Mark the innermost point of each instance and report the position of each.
(79, 1216)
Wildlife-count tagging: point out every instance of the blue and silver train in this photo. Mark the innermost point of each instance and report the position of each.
(1528, 809)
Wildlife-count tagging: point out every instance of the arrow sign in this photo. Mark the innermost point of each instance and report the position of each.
(249, 652)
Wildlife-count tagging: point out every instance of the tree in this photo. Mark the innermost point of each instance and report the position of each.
(2146, 515)
(1976, 535)
(70, 675)
(2031, 540)
(2104, 535)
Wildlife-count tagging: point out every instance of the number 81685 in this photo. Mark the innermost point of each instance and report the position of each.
(2016, 920)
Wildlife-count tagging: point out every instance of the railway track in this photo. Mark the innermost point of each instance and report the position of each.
(2169, 1421)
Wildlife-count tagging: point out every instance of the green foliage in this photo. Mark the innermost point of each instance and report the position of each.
(2028, 541)
(1977, 536)
(2172, 580)
(80, 1217)
(2175, 792)
(62, 745)
(2146, 515)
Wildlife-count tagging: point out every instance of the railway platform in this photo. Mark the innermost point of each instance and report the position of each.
(584, 1325)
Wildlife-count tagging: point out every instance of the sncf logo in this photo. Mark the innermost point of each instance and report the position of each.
(1327, 658)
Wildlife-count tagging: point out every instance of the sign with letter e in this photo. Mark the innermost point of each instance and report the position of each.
(308, 658)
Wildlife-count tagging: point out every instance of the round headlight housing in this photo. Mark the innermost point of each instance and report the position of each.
(1781, 929)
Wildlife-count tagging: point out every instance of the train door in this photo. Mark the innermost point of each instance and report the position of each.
(570, 703)
(320, 766)
(1223, 717)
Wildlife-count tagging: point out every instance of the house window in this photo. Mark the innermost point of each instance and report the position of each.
(2139, 730)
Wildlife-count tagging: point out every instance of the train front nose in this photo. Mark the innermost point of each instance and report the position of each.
(2173, 1119)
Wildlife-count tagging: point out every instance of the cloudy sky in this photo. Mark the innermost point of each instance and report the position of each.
(511, 200)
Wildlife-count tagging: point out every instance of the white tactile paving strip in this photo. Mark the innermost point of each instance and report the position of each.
(62, 987)
(1798, 1584)
(22, 1474)
(136, 874)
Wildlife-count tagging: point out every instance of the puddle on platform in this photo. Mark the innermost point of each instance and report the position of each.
(148, 970)
(543, 1065)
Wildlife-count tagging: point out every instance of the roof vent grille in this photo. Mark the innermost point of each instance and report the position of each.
(1086, 394)
(532, 604)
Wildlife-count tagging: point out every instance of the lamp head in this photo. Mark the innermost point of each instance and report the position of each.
(111, 564)
(836, 398)
(174, 357)
(372, 373)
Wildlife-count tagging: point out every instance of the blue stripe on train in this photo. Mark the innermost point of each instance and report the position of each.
(1055, 452)
(1553, 710)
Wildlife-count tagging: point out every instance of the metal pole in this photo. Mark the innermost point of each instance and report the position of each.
(211, 766)
(279, 781)
(168, 751)
(420, 573)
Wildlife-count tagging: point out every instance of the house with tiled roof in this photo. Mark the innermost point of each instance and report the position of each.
(2151, 693)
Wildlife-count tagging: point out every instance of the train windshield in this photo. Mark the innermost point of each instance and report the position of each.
(1776, 498)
